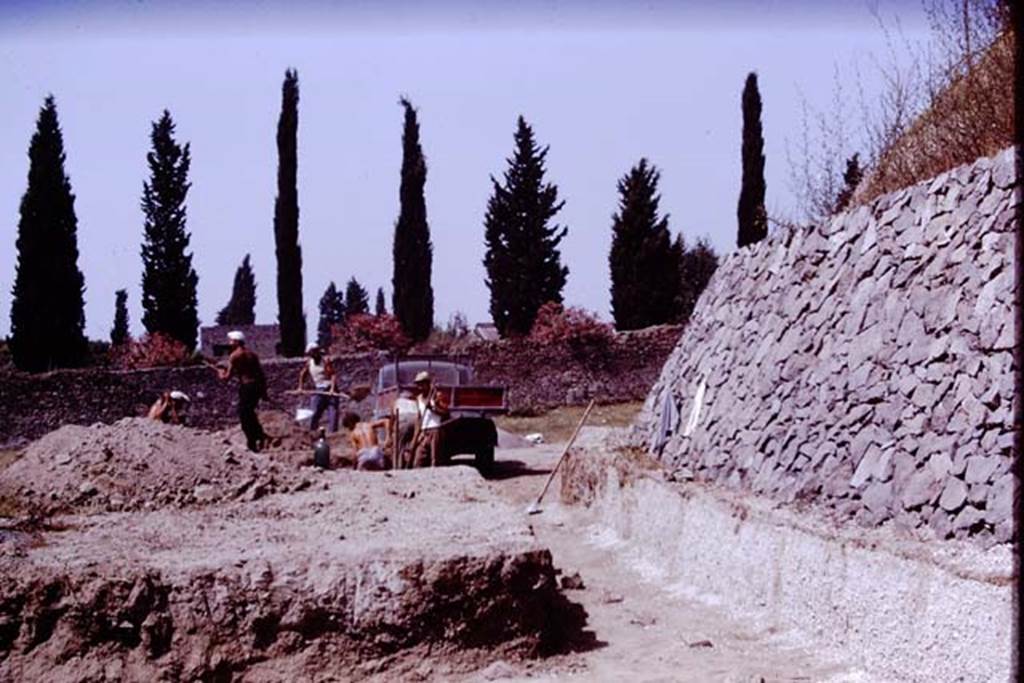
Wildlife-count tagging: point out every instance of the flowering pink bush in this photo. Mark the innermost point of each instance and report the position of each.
(152, 351)
(364, 332)
(576, 328)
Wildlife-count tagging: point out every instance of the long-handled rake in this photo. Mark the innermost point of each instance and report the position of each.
(535, 508)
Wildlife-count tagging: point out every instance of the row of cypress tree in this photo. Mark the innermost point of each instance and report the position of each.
(47, 312)
(654, 278)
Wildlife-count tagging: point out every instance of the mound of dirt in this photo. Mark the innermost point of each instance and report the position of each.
(363, 573)
(288, 435)
(137, 463)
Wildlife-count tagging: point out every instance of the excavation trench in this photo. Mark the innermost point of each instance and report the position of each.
(342, 576)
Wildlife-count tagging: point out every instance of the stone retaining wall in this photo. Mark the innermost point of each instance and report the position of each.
(538, 379)
(865, 365)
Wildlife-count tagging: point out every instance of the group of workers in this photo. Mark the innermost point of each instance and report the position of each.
(243, 365)
(417, 422)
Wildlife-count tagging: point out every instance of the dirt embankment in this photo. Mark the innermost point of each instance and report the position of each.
(219, 564)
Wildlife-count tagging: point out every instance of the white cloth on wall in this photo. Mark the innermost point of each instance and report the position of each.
(698, 403)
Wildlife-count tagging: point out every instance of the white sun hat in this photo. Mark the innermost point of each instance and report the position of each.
(311, 347)
(180, 396)
(235, 335)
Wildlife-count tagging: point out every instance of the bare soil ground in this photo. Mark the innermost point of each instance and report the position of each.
(269, 569)
(645, 631)
(361, 574)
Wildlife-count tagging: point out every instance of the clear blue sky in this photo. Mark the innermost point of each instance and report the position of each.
(603, 84)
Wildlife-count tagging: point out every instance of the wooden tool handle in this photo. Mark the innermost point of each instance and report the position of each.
(565, 451)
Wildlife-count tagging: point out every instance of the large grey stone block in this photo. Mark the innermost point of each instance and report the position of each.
(923, 487)
(980, 468)
(954, 495)
(999, 506)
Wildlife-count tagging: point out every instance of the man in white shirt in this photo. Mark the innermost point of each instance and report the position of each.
(321, 372)
(431, 416)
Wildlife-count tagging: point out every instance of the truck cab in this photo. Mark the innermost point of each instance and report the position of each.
(469, 425)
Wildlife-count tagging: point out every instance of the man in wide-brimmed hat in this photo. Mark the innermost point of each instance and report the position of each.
(431, 417)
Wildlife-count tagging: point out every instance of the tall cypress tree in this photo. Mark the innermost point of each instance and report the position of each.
(380, 308)
(357, 300)
(241, 307)
(412, 298)
(750, 212)
(643, 262)
(168, 280)
(119, 332)
(47, 315)
(524, 268)
(290, 318)
(332, 312)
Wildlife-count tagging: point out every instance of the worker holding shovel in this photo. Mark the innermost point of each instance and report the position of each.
(244, 365)
(319, 369)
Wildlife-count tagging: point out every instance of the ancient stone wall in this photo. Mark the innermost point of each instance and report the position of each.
(864, 365)
(538, 379)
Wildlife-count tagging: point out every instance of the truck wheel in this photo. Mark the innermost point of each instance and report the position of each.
(485, 459)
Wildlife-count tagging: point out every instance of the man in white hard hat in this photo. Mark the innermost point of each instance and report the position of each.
(170, 407)
(245, 366)
(320, 370)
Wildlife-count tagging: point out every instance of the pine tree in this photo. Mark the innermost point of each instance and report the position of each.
(357, 300)
(168, 280)
(643, 262)
(750, 212)
(696, 267)
(119, 334)
(851, 179)
(524, 269)
(380, 308)
(241, 307)
(47, 308)
(332, 312)
(290, 318)
(412, 298)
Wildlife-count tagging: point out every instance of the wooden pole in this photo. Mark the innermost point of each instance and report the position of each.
(535, 507)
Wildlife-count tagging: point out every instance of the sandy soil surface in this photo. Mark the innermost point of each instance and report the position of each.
(226, 506)
(645, 631)
(371, 572)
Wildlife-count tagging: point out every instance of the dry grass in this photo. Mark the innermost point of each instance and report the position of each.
(971, 117)
(557, 425)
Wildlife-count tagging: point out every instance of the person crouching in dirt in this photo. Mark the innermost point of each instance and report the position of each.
(321, 372)
(170, 408)
(431, 415)
(244, 365)
(363, 437)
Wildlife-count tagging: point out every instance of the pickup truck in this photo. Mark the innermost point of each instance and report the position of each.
(469, 426)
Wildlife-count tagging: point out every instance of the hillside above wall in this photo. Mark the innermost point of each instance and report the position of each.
(864, 365)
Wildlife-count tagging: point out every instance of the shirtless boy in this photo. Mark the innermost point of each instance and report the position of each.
(363, 437)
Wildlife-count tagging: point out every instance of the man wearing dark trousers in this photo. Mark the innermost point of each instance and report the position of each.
(244, 365)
